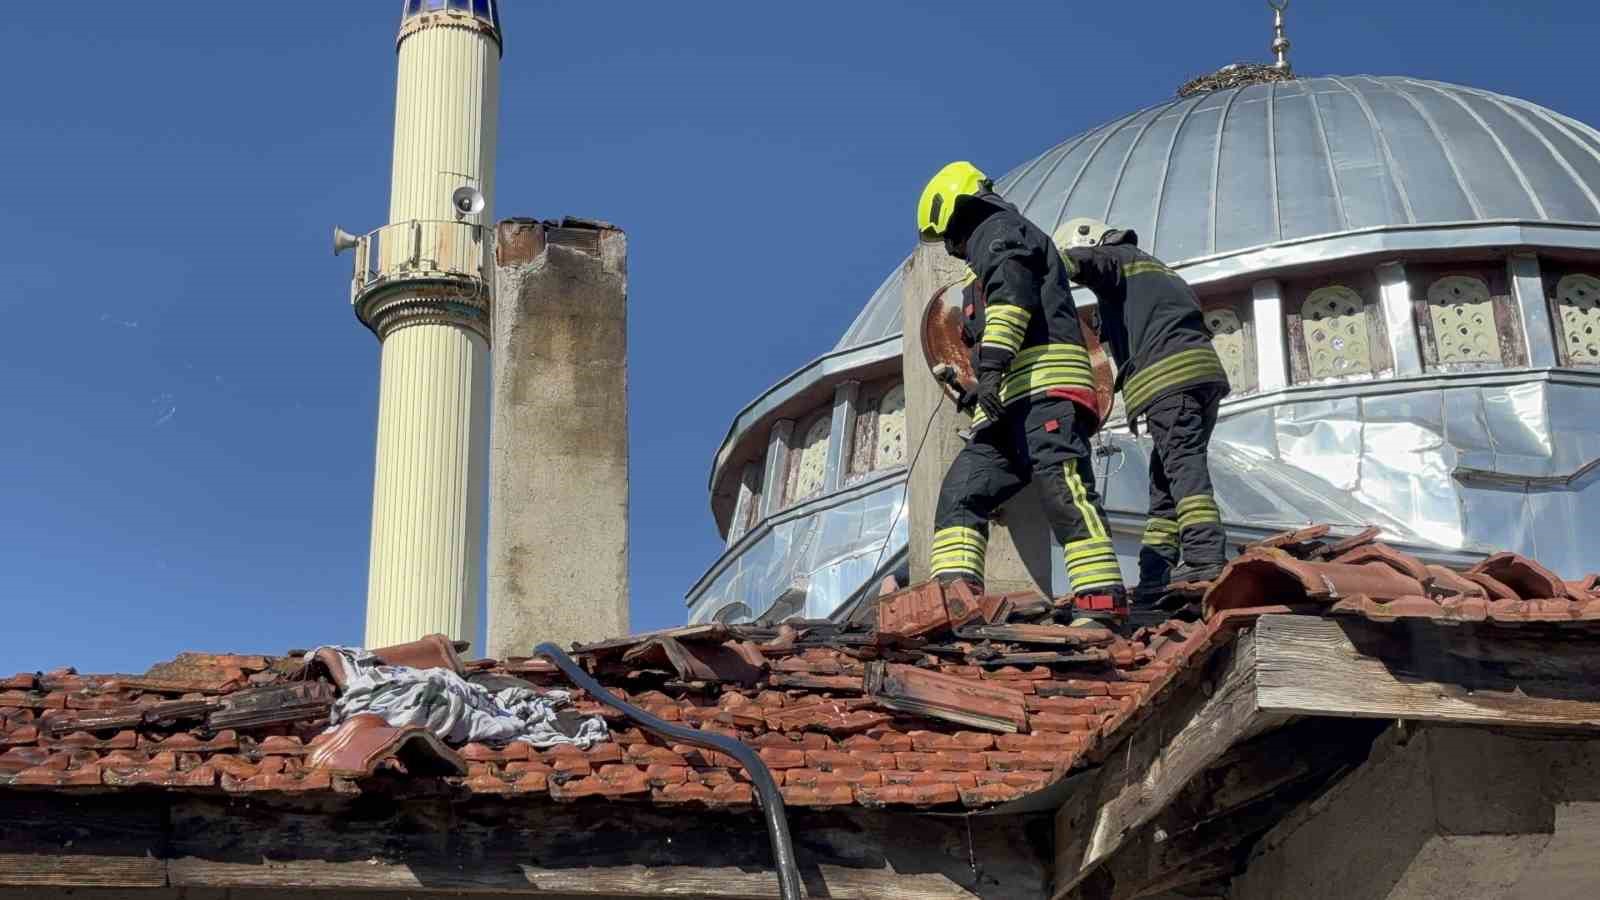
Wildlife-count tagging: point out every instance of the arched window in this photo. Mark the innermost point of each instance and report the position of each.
(1461, 311)
(1228, 337)
(1578, 309)
(1334, 319)
(811, 468)
(891, 438)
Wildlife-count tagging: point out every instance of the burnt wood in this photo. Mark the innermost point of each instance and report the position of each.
(447, 842)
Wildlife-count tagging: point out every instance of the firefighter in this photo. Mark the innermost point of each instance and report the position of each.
(1171, 377)
(1033, 407)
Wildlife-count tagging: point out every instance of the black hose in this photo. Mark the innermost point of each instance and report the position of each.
(770, 798)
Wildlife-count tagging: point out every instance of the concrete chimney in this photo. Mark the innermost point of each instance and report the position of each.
(558, 467)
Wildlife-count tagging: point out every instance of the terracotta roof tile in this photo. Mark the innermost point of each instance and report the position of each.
(963, 702)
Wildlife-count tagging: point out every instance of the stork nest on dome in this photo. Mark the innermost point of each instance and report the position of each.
(1234, 76)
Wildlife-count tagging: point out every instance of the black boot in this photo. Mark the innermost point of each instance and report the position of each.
(1189, 573)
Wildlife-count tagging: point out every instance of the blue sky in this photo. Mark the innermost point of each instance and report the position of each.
(187, 404)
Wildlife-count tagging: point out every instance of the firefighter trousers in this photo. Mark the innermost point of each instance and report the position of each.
(1184, 519)
(1043, 439)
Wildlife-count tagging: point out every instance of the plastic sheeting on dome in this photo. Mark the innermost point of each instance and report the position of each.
(1256, 165)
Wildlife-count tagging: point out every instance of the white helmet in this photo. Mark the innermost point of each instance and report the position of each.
(1081, 233)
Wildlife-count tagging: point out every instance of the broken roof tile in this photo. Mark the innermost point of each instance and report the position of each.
(1523, 576)
(1280, 578)
(914, 611)
(985, 705)
(360, 744)
(1403, 563)
(1345, 545)
(1286, 539)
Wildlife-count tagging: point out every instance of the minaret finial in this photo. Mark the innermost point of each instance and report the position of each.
(1280, 44)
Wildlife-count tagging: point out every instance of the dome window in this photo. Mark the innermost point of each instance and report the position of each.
(1461, 312)
(1578, 317)
(880, 435)
(1466, 317)
(1234, 346)
(1337, 341)
(810, 466)
(891, 442)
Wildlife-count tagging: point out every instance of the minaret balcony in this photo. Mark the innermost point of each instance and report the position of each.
(405, 269)
(420, 250)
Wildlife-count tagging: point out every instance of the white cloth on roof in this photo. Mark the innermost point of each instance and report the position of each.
(456, 710)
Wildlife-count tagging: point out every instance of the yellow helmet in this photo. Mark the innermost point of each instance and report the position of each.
(938, 203)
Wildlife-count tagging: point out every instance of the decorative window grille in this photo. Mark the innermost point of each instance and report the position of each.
(1578, 307)
(1334, 320)
(1461, 310)
(811, 471)
(891, 438)
(1228, 337)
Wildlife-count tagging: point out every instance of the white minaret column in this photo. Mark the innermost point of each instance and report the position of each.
(423, 286)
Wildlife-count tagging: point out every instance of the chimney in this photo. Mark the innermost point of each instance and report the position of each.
(558, 467)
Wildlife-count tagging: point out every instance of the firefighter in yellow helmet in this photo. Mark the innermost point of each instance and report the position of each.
(1171, 378)
(1034, 408)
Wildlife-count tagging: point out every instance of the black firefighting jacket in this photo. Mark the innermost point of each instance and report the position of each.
(1019, 311)
(1151, 321)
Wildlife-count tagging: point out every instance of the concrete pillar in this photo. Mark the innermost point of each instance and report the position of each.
(558, 523)
(842, 433)
(1527, 288)
(1272, 350)
(774, 481)
(1009, 568)
(1394, 298)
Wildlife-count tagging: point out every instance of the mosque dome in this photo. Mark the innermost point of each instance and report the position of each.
(1268, 163)
(1403, 281)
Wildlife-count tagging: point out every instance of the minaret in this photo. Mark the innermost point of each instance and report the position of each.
(422, 284)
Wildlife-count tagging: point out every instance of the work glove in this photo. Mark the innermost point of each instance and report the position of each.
(986, 395)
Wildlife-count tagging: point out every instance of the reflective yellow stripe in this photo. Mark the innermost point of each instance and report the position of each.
(1051, 351)
(1014, 316)
(958, 549)
(1199, 509)
(1092, 564)
(1038, 369)
(1089, 549)
(1080, 499)
(1180, 368)
(1160, 533)
(1146, 267)
(959, 535)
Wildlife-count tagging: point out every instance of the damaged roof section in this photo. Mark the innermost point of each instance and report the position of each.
(1377, 582)
(944, 700)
